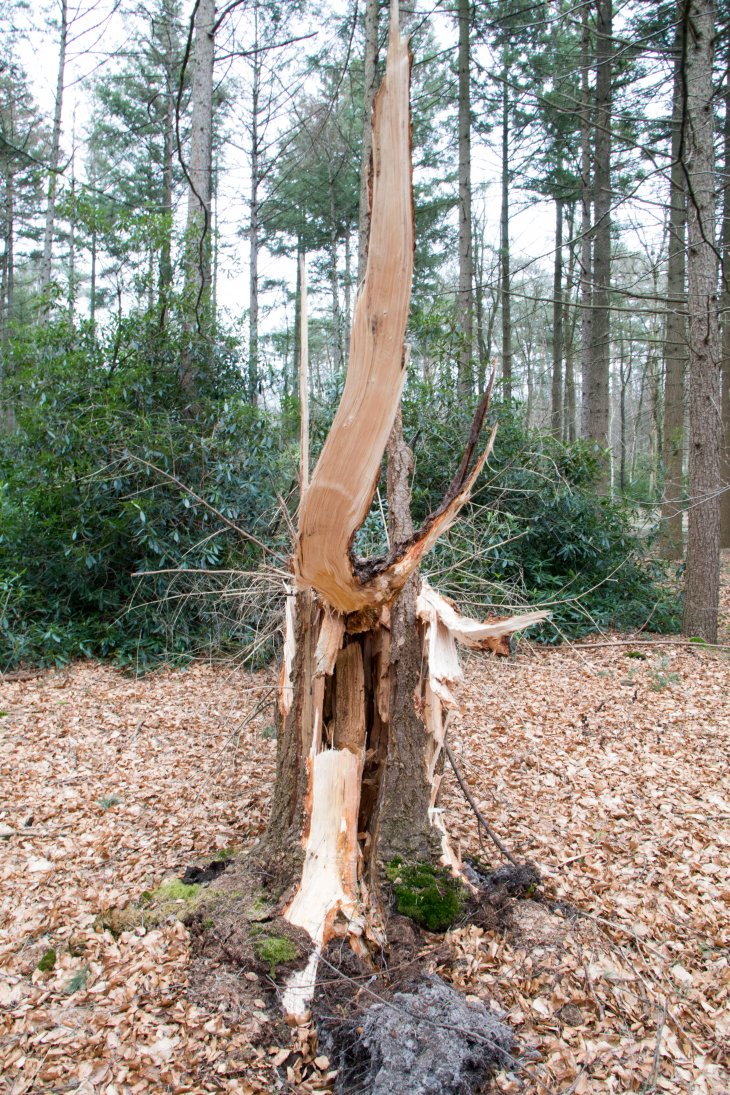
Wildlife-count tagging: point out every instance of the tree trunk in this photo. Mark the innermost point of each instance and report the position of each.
(168, 148)
(253, 228)
(338, 359)
(55, 157)
(586, 233)
(198, 250)
(702, 574)
(504, 245)
(465, 304)
(675, 334)
(569, 401)
(598, 378)
(556, 387)
(725, 312)
(369, 650)
(372, 8)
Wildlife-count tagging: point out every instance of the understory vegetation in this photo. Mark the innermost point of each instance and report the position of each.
(119, 504)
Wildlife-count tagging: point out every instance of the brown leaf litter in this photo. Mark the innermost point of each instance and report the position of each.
(608, 769)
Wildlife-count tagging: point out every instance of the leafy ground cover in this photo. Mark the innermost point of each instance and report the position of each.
(605, 764)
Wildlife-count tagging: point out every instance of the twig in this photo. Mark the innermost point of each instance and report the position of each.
(651, 642)
(221, 516)
(650, 1084)
(479, 815)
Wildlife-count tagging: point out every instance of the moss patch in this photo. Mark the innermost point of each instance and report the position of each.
(175, 890)
(173, 899)
(47, 962)
(274, 950)
(428, 895)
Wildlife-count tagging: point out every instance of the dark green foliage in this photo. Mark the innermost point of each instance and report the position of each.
(82, 510)
(537, 532)
(429, 895)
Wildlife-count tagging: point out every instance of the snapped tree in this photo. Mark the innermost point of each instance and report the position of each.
(370, 653)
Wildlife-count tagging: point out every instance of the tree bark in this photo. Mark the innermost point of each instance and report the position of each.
(55, 157)
(598, 378)
(702, 573)
(556, 387)
(465, 309)
(505, 292)
(198, 250)
(675, 335)
(586, 231)
(569, 321)
(372, 8)
(725, 312)
(168, 148)
(253, 227)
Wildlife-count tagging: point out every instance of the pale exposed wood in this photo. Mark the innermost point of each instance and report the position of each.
(328, 888)
(470, 632)
(286, 686)
(329, 641)
(303, 381)
(343, 482)
(349, 722)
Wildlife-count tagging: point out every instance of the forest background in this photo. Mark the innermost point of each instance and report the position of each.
(154, 212)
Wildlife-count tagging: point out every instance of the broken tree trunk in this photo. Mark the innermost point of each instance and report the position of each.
(370, 655)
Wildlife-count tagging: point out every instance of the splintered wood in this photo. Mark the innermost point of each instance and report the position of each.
(344, 480)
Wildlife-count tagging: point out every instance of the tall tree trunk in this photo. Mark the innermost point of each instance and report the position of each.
(465, 308)
(337, 356)
(702, 573)
(55, 157)
(253, 227)
(586, 232)
(505, 291)
(168, 149)
(7, 290)
(569, 312)
(556, 387)
(372, 8)
(725, 311)
(675, 332)
(598, 379)
(198, 249)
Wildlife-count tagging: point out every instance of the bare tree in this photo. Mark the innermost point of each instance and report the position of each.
(465, 298)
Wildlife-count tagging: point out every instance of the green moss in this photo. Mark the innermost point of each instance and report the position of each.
(274, 949)
(47, 962)
(78, 981)
(175, 890)
(428, 895)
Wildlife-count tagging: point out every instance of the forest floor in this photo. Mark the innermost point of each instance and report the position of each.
(605, 762)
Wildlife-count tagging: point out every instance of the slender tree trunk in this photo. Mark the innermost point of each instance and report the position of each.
(702, 573)
(556, 387)
(505, 291)
(586, 231)
(198, 250)
(338, 359)
(465, 309)
(725, 312)
(675, 332)
(168, 150)
(253, 253)
(348, 289)
(569, 312)
(598, 379)
(370, 80)
(55, 157)
(7, 290)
